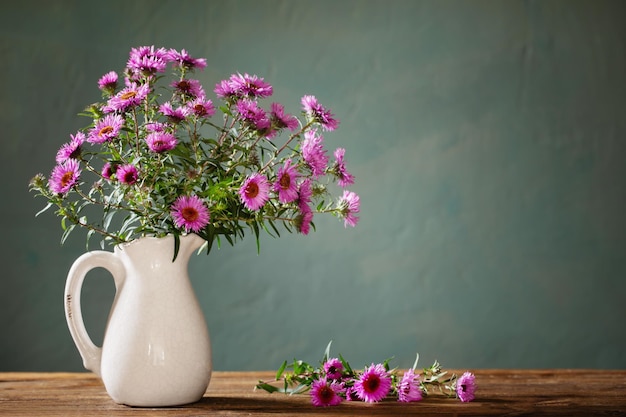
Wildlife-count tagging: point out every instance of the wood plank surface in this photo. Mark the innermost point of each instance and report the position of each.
(499, 392)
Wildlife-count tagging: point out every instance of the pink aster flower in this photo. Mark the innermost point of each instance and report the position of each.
(106, 129)
(282, 120)
(351, 394)
(333, 368)
(108, 170)
(324, 394)
(374, 384)
(409, 387)
(304, 219)
(347, 206)
(466, 387)
(250, 86)
(190, 213)
(189, 88)
(305, 192)
(127, 174)
(318, 113)
(108, 82)
(253, 114)
(184, 60)
(64, 176)
(201, 107)
(147, 61)
(339, 169)
(225, 90)
(72, 149)
(254, 192)
(156, 127)
(313, 153)
(174, 115)
(159, 142)
(131, 95)
(285, 184)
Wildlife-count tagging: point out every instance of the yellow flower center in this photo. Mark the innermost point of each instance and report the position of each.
(127, 95)
(66, 179)
(105, 130)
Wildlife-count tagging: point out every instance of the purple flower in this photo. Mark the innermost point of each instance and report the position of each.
(184, 60)
(317, 113)
(466, 386)
(348, 205)
(324, 394)
(189, 88)
(106, 129)
(159, 142)
(305, 192)
(201, 107)
(127, 174)
(108, 82)
(190, 213)
(131, 95)
(305, 217)
(253, 114)
(339, 169)
(250, 86)
(333, 368)
(64, 176)
(72, 149)
(313, 153)
(174, 115)
(409, 387)
(373, 384)
(224, 89)
(254, 192)
(108, 170)
(285, 184)
(156, 127)
(282, 120)
(147, 61)
(351, 394)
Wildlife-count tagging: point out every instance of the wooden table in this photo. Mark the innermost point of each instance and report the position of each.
(499, 392)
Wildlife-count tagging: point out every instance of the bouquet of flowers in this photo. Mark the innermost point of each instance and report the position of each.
(335, 381)
(160, 157)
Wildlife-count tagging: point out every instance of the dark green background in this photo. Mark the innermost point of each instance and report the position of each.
(488, 142)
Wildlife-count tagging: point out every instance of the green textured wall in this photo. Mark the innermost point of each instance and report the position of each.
(487, 138)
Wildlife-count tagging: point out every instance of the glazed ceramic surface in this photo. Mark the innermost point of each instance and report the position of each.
(156, 349)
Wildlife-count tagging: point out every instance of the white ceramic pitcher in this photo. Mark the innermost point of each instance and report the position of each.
(156, 349)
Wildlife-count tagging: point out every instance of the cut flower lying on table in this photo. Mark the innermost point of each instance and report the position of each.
(335, 381)
(154, 161)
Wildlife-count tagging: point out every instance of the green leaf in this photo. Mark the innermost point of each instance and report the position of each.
(255, 227)
(107, 220)
(280, 371)
(267, 387)
(90, 233)
(346, 365)
(43, 209)
(299, 389)
(176, 246)
(66, 232)
(298, 367)
(327, 351)
(417, 358)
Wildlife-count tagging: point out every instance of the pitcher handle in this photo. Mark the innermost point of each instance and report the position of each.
(90, 353)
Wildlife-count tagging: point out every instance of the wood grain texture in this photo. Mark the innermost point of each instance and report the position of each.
(499, 392)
